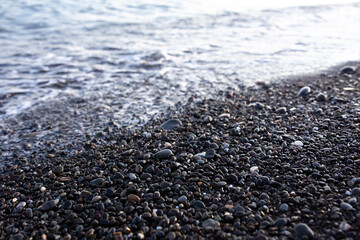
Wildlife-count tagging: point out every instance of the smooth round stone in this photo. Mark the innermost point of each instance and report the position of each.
(182, 199)
(355, 192)
(284, 207)
(281, 222)
(281, 110)
(58, 169)
(132, 176)
(165, 184)
(221, 184)
(298, 144)
(198, 204)
(348, 70)
(346, 206)
(264, 196)
(134, 198)
(157, 195)
(211, 224)
(49, 205)
(96, 199)
(171, 124)
(97, 181)
(166, 153)
(302, 230)
(304, 91)
(264, 179)
(321, 97)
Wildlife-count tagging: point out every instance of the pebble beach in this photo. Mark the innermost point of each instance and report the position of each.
(276, 160)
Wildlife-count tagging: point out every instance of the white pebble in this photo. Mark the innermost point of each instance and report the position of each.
(254, 169)
(344, 226)
(42, 189)
(298, 144)
(347, 193)
(132, 176)
(158, 228)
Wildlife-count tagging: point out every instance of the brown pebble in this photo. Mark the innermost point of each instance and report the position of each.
(133, 197)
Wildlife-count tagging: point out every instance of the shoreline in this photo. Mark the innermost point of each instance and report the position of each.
(257, 162)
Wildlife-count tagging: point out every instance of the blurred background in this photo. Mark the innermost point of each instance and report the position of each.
(140, 56)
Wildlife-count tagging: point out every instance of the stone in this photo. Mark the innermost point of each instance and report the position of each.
(281, 222)
(20, 207)
(281, 110)
(163, 154)
(96, 182)
(348, 70)
(134, 198)
(345, 206)
(197, 204)
(221, 184)
(171, 124)
(303, 230)
(49, 205)
(297, 144)
(210, 153)
(321, 97)
(211, 224)
(304, 92)
(284, 207)
(355, 192)
(58, 169)
(182, 199)
(208, 119)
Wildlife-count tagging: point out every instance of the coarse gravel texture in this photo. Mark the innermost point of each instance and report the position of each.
(263, 162)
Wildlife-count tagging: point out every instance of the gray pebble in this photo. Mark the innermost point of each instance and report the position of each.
(182, 199)
(355, 192)
(304, 91)
(171, 124)
(97, 182)
(281, 110)
(302, 230)
(49, 205)
(198, 204)
(166, 153)
(211, 224)
(321, 97)
(58, 169)
(345, 206)
(284, 207)
(221, 184)
(281, 222)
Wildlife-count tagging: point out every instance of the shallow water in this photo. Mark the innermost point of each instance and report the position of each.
(142, 56)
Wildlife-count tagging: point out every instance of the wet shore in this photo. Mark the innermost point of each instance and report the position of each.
(277, 160)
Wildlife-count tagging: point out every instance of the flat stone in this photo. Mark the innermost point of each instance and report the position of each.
(221, 184)
(211, 224)
(163, 154)
(304, 91)
(171, 124)
(303, 230)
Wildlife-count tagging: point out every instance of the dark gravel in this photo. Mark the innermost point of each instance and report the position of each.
(265, 162)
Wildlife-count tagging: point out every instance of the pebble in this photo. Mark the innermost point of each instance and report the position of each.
(198, 204)
(298, 144)
(321, 97)
(97, 182)
(221, 184)
(302, 230)
(281, 222)
(20, 206)
(355, 192)
(281, 110)
(304, 91)
(211, 224)
(348, 70)
(208, 119)
(182, 199)
(58, 169)
(284, 207)
(49, 205)
(133, 197)
(163, 154)
(345, 206)
(210, 153)
(171, 124)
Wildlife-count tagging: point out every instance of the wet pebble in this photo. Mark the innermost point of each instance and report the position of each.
(49, 205)
(321, 97)
(345, 206)
(163, 154)
(303, 92)
(198, 204)
(355, 192)
(284, 207)
(171, 124)
(133, 197)
(303, 230)
(182, 199)
(211, 224)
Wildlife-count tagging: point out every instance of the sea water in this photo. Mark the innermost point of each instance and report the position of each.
(145, 55)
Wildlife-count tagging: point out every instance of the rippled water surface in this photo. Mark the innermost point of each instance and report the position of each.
(144, 55)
